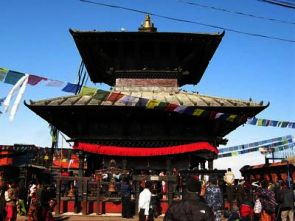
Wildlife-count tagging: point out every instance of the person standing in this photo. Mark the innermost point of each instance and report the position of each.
(268, 202)
(2, 200)
(125, 191)
(286, 202)
(229, 179)
(33, 210)
(10, 199)
(191, 207)
(155, 207)
(43, 199)
(214, 198)
(144, 202)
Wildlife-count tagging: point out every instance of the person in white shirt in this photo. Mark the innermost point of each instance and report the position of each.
(144, 202)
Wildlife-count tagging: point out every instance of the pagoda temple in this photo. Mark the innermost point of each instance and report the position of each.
(146, 66)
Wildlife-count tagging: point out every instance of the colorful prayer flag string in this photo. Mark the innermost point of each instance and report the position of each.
(12, 77)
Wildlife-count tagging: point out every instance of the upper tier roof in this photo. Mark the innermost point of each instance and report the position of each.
(111, 55)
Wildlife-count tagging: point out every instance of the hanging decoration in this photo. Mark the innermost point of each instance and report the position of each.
(143, 151)
(20, 86)
(272, 145)
(13, 77)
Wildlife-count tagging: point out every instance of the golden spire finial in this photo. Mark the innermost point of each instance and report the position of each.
(147, 26)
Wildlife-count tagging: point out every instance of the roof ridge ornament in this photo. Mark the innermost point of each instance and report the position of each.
(147, 25)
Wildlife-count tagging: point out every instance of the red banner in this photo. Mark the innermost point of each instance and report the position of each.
(144, 151)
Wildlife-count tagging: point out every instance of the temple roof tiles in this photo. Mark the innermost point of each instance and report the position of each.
(177, 97)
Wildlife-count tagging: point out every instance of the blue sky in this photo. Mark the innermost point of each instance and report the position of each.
(34, 39)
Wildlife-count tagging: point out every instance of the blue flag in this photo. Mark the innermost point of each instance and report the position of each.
(71, 88)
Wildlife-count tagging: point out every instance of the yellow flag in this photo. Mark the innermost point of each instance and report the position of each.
(151, 104)
(234, 154)
(87, 91)
(231, 117)
(198, 112)
(259, 122)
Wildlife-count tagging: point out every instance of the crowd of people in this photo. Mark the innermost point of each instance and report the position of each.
(37, 203)
(195, 198)
(243, 200)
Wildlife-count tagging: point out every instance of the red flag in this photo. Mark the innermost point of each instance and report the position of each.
(33, 79)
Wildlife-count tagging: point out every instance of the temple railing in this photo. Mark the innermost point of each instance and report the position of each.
(82, 190)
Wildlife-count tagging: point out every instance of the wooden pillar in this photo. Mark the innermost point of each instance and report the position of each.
(170, 188)
(98, 198)
(210, 164)
(84, 196)
(58, 181)
(203, 165)
(81, 163)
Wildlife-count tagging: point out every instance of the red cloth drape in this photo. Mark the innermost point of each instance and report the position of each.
(144, 151)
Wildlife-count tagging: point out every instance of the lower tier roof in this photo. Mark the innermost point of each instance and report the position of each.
(119, 117)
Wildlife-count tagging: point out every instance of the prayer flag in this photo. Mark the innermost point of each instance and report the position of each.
(171, 107)
(33, 79)
(279, 123)
(3, 72)
(223, 116)
(180, 109)
(234, 153)
(189, 110)
(71, 88)
(218, 115)
(114, 96)
(87, 91)
(162, 105)
(101, 95)
(12, 77)
(284, 124)
(273, 123)
(18, 98)
(128, 100)
(212, 115)
(259, 122)
(290, 124)
(231, 117)
(152, 104)
(198, 112)
(142, 102)
(252, 121)
(14, 89)
(54, 83)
